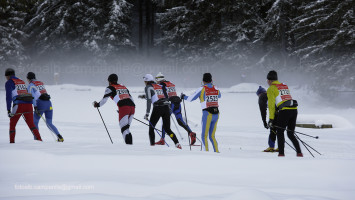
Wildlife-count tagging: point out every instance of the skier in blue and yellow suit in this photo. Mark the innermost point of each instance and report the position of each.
(209, 95)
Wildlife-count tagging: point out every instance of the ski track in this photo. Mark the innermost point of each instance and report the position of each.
(117, 171)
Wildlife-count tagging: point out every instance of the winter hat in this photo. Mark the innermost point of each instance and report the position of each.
(31, 76)
(260, 90)
(160, 77)
(113, 78)
(148, 77)
(272, 75)
(9, 72)
(207, 77)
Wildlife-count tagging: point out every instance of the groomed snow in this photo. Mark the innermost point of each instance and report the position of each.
(87, 166)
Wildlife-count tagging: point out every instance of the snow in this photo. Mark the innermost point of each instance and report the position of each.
(87, 166)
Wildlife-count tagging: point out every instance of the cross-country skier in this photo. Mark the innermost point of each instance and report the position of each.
(155, 95)
(209, 95)
(280, 101)
(41, 103)
(16, 94)
(121, 96)
(261, 93)
(170, 93)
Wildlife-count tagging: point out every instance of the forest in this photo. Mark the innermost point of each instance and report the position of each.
(312, 37)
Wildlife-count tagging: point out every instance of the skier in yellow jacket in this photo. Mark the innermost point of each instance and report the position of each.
(278, 94)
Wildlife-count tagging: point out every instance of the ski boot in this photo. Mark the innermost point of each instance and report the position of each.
(60, 138)
(299, 154)
(193, 137)
(269, 149)
(160, 142)
(177, 145)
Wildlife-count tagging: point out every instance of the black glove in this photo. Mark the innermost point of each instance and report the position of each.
(182, 96)
(265, 124)
(9, 114)
(95, 104)
(146, 116)
(36, 111)
(271, 121)
(142, 96)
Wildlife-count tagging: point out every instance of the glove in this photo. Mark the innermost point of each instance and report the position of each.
(142, 96)
(182, 96)
(265, 124)
(95, 104)
(271, 121)
(146, 116)
(9, 114)
(36, 110)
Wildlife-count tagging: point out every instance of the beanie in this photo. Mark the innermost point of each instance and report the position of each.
(31, 76)
(113, 78)
(260, 90)
(9, 72)
(272, 75)
(207, 77)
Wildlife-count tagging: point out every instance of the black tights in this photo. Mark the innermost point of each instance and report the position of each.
(164, 113)
(287, 120)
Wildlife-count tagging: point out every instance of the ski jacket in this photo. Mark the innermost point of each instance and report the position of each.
(38, 91)
(119, 94)
(279, 97)
(208, 94)
(263, 105)
(154, 95)
(15, 89)
(170, 92)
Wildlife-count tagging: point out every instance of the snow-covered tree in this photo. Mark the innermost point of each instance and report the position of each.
(12, 51)
(84, 27)
(325, 42)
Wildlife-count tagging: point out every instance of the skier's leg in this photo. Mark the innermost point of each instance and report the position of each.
(49, 118)
(166, 124)
(13, 122)
(176, 108)
(206, 122)
(291, 127)
(154, 118)
(281, 122)
(29, 120)
(124, 122)
(212, 132)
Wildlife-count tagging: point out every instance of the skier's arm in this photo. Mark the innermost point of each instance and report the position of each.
(9, 86)
(148, 95)
(193, 97)
(263, 106)
(109, 92)
(272, 93)
(35, 93)
(164, 90)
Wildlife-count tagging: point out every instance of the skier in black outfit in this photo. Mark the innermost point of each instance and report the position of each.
(170, 93)
(154, 95)
(261, 93)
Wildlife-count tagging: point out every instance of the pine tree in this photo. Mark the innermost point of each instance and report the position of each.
(12, 51)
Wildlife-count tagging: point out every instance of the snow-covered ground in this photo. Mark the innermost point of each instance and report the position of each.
(87, 166)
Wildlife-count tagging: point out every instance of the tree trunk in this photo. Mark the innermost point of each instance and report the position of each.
(140, 26)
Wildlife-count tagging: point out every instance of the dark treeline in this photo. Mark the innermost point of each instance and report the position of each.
(316, 37)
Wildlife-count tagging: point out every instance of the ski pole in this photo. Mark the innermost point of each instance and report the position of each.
(316, 137)
(183, 101)
(171, 111)
(104, 124)
(305, 144)
(157, 130)
(286, 142)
